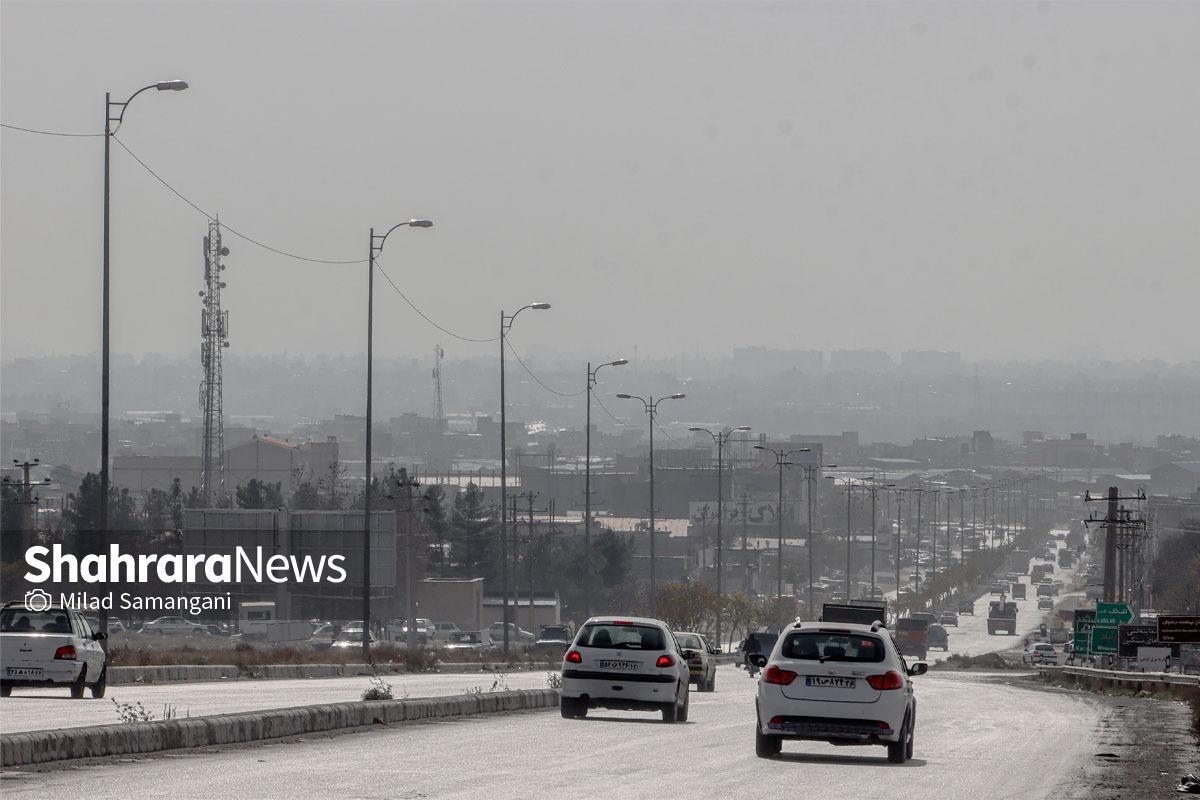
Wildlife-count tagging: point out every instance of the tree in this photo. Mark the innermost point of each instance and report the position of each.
(437, 526)
(686, 606)
(474, 537)
(260, 494)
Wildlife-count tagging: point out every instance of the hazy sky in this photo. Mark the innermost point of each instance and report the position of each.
(990, 178)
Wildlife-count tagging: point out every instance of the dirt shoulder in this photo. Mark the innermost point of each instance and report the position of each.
(1141, 746)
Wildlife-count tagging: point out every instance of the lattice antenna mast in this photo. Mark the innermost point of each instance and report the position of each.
(439, 411)
(214, 336)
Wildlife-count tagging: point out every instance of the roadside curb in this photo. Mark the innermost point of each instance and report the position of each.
(100, 741)
(197, 673)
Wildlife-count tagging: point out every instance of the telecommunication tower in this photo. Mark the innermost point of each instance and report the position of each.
(439, 412)
(214, 333)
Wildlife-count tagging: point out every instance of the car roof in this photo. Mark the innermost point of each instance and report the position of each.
(850, 627)
(611, 619)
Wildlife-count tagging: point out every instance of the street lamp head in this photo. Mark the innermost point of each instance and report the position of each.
(420, 223)
(171, 86)
(759, 447)
(620, 362)
(742, 428)
(678, 396)
(539, 306)
(623, 396)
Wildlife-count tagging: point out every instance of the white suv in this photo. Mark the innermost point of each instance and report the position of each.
(50, 647)
(839, 683)
(629, 663)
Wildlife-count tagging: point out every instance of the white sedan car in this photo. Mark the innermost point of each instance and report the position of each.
(174, 626)
(629, 663)
(838, 683)
(54, 646)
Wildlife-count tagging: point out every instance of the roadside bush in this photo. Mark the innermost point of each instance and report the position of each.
(378, 690)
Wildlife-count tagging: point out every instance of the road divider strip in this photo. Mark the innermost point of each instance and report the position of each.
(196, 673)
(102, 741)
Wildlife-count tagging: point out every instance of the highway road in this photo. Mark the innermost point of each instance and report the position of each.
(971, 638)
(40, 709)
(976, 738)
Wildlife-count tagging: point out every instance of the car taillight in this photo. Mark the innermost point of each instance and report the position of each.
(573, 657)
(888, 680)
(665, 661)
(774, 674)
(65, 653)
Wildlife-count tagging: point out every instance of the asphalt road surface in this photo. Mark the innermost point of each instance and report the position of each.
(975, 738)
(971, 638)
(40, 709)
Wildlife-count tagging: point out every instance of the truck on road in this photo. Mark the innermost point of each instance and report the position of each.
(912, 637)
(861, 612)
(1002, 616)
(1018, 591)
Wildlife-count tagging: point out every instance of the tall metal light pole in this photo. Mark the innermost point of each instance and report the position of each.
(899, 497)
(720, 439)
(587, 484)
(810, 476)
(651, 406)
(781, 461)
(374, 248)
(109, 109)
(506, 323)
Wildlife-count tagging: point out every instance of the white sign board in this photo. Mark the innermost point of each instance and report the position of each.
(1153, 659)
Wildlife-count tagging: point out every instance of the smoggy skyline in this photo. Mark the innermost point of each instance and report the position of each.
(991, 179)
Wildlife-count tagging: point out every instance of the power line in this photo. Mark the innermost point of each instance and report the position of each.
(234, 231)
(600, 403)
(663, 431)
(425, 316)
(536, 378)
(47, 133)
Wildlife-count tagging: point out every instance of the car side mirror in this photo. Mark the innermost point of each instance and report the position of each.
(757, 659)
(919, 668)
(99, 637)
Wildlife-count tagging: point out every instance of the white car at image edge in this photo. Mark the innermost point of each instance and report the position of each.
(626, 663)
(54, 646)
(835, 682)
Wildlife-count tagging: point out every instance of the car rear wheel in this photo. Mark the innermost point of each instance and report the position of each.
(5, 690)
(100, 685)
(898, 751)
(78, 686)
(682, 716)
(912, 735)
(768, 746)
(572, 707)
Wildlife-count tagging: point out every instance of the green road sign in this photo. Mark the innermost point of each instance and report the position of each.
(1104, 641)
(1085, 619)
(1110, 615)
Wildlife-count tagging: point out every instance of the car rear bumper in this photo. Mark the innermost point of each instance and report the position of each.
(825, 729)
(57, 673)
(619, 691)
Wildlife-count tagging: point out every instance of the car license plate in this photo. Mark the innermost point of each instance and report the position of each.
(829, 682)
(625, 666)
(24, 672)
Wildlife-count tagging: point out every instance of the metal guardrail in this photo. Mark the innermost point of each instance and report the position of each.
(1123, 676)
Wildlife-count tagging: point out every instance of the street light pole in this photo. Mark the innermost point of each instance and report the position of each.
(587, 485)
(105, 317)
(720, 439)
(651, 406)
(506, 323)
(374, 248)
(781, 461)
(810, 473)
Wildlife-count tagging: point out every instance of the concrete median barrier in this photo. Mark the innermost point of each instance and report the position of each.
(195, 673)
(102, 741)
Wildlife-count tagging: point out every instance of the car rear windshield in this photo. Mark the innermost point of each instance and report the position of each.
(22, 620)
(621, 637)
(830, 646)
(689, 640)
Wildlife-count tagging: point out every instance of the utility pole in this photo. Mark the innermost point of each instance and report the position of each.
(28, 501)
(439, 410)
(405, 486)
(529, 497)
(214, 331)
(899, 520)
(745, 504)
(810, 478)
(1118, 522)
(917, 565)
(587, 484)
(781, 461)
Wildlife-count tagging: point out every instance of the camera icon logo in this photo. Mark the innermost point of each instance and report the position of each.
(37, 600)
